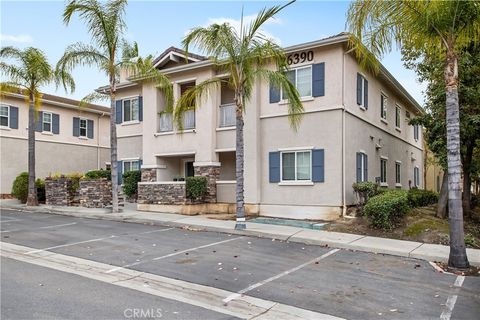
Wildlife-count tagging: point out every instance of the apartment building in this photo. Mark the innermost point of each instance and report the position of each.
(355, 128)
(68, 138)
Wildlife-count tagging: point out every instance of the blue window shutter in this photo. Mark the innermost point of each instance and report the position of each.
(365, 167)
(140, 108)
(55, 123)
(318, 79)
(39, 122)
(274, 93)
(359, 167)
(76, 127)
(118, 111)
(13, 117)
(274, 166)
(359, 89)
(120, 171)
(365, 94)
(90, 129)
(318, 165)
(140, 162)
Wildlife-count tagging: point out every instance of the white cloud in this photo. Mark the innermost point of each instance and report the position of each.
(21, 38)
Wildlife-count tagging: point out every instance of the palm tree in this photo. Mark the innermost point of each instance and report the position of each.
(246, 56)
(27, 75)
(109, 53)
(442, 28)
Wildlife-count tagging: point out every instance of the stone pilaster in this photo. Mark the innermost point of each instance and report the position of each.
(212, 173)
(149, 175)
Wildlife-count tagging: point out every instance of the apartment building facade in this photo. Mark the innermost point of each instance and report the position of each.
(68, 138)
(355, 128)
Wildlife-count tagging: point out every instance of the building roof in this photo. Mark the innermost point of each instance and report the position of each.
(179, 52)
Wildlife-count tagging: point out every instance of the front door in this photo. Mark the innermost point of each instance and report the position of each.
(189, 172)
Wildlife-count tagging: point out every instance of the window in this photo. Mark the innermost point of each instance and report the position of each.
(362, 165)
(166, 122)
(416, 176)
(383, 107)
(227, 115)
(296, 166)
(416, 132)
(398, 111)
(383, 171)
(47, 122)
(362, 91)
(130, 109)
(83, 127)
(130, 165)
(302, 79)
(398, 166)
(4, 116)
(189, 119)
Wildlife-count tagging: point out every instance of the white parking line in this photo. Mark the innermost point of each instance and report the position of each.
(452, 299)
(261, 283)
(171, 254)
(47, 227)
(11, 220)
(70, 244)
(154, 231)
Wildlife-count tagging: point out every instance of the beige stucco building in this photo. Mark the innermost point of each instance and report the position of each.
(68, 138)
(355, 128)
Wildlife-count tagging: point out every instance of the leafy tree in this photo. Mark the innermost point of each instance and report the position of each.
(442, 28)
(246, 56)
(28, 72)
(109, 52)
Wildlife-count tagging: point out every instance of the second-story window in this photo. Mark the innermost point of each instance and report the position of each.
(227, 115)
(416, 132)
(362, 91)
(383, 107)
(83, 127)
(398, 117)
(46, 122)
(166, 122)
(189, 119)
(302, 79)
(4, 115)
(130, 109)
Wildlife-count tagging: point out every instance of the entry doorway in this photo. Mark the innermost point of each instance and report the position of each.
(188, 169)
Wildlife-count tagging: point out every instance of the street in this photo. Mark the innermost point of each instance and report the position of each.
(322, 280)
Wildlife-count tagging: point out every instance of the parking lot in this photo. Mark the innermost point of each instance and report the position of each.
(343, 283)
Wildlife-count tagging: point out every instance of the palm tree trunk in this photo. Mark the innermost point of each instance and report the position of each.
(239, 167)
(467, 178)
(458, 255)
(443, 197)
(113, 146)
(32, 190)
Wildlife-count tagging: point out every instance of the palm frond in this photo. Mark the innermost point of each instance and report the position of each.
(82, 54)
(93, 97)
(13, 73)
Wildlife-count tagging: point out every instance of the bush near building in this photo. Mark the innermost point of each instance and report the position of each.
(130, 183)
(97, 174)
(421, 198)
(20, 188)
(196, 187)
(385, 210)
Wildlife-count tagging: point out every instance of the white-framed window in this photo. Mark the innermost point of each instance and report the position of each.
(362, 91)
(398, 117)
(166, 122)
(362, 166)
(4, 116)
(131, 165)
(383, 170)
(227, 115)
(416, 132)
(416, 176)
(302, 79)
(296, 165)
(83, 127)
(383, 106)
(130, 109)
(189, 119)
(398, 174)
(47, 122)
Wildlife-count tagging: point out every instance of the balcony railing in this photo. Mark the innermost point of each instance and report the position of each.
(166, 122)
(227, 115)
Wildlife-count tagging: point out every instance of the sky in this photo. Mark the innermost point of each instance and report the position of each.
(156, 25)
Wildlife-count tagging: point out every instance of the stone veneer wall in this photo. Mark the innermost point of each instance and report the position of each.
(149, 175)
(161, 193)
(59, 191)
(212, 173)
(95, 193)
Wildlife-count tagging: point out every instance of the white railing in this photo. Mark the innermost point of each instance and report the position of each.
(227, 115)
(189, 119)
(166, 122)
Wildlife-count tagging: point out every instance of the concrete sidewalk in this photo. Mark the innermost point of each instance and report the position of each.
(429, 252)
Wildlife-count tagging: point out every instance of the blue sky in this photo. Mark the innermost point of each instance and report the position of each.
(156, 25)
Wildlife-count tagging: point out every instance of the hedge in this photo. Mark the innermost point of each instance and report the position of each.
(20, 188)
(385, 210)
(421, 198)
(196, 187)
(98, 174)
(130, 183)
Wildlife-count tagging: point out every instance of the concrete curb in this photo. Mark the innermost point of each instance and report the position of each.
(409, 249)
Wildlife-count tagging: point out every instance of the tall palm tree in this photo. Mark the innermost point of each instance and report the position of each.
(27, 75)
(246, 56)
(442, 28)
(109, 52)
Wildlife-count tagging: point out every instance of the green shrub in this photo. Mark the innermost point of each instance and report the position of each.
(196, 187)
(364, 191)
(385, 210)
(20, 188)
(130, 183)
(421, 198)
(98, 174)
(75, 178)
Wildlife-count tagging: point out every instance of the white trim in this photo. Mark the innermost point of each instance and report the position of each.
(206, 163)
(131, 98)
(130, 159)
(297, 149)
(51, 121)
(183, 81)
(398, 161)
(225, 150)
(362, 108)
(296, 68)
(398, 107)
(384, 157)
(362, 151)
(296, 183)
(225, 128)
(384, 121)
(166, 133)
(131, 135)
(226, 181)
(82, 138)
(187, 131)
(175, 154)
(61, 142)
(47, 133)
(129, 123)
(163, 182)
(8, 116)
(5, 128)
(383, 184)
(153, 166)
(398, 185)
(285, 114)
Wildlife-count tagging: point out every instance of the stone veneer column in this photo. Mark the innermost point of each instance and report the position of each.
(149, 175)
(212, 172)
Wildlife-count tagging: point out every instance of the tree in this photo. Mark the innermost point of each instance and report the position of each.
(246, 56)
(443, 28)
(27, 75)
(109, 53)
